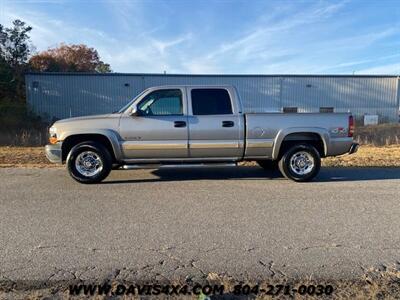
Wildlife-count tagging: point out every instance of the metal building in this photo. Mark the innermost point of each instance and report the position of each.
(62, 95)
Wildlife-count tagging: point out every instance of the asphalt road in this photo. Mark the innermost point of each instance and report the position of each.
(185, 223)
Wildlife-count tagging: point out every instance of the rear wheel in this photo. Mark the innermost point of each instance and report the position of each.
(89, 162)
(300, 163)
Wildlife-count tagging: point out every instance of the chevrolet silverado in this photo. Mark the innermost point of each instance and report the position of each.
(197, 125)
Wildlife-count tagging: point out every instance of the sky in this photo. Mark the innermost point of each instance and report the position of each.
(223, 37)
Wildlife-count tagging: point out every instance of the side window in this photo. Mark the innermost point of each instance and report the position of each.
(211, 102)
(162, 103)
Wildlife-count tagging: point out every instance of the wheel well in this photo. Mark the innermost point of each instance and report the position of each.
(310, 138)
(73, 140)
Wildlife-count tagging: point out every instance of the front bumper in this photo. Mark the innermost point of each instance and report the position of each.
(354, 148)
(53, 153)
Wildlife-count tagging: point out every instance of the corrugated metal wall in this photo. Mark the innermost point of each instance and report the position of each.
(65, 95)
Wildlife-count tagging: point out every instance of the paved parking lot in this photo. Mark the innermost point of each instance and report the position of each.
(181, 223)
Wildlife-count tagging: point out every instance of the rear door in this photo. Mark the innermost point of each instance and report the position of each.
(215, 127)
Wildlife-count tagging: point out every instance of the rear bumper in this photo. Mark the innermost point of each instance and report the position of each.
(354, 148)
(53, 153)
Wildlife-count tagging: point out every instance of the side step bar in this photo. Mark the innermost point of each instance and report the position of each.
(181, 166)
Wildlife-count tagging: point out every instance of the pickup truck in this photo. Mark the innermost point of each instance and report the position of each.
(197, 125)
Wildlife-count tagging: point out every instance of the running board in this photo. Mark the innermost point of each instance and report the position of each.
(182, 166)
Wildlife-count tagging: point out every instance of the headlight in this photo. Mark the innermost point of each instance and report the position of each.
(53, 135)
(52, 130)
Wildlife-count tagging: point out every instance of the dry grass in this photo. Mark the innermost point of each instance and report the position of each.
(376, 283)
(367, 156)
(383, 283)
(378, 135)
(24, 157)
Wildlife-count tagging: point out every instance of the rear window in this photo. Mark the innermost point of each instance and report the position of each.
(211, 102)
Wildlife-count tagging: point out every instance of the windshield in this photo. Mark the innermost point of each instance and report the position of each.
(130, 102)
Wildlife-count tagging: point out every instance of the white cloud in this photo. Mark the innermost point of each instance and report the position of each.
(162, 45)
(146, 54)
(262, 47)
(354, 63)
(260, 36)
(48, 32)
(286, 39)
(387, 69)
(126, 13)
(199, 67)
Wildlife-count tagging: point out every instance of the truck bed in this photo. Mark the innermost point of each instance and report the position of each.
(267, 130)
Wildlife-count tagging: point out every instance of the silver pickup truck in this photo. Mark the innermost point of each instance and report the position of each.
(197, 125)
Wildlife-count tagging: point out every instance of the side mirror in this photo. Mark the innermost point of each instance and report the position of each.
(134, 111)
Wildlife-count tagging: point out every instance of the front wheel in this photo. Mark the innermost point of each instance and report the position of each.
(89, 162)
(300, 163)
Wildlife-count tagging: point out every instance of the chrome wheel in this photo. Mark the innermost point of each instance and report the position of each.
(301, 163)
(88, 163)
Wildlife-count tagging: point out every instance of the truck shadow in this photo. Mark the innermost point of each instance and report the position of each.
(256, 173)
(357, 174)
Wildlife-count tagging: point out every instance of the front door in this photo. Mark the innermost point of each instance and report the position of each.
(159, 130)
(214, 126)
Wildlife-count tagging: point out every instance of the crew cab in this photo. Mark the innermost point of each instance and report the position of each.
(197, 125)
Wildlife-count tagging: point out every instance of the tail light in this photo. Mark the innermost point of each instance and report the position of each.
(351, 126)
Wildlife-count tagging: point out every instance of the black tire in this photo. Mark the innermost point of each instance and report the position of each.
(268, 164)
(293, 171)
(96, 150)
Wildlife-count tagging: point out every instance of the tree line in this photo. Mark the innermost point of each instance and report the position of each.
(18, 56)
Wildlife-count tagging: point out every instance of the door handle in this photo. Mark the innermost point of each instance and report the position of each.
(179, 124)
(228, 124)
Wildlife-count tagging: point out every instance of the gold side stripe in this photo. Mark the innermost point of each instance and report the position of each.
(172, 146)
(214, 145)
(260, 143)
